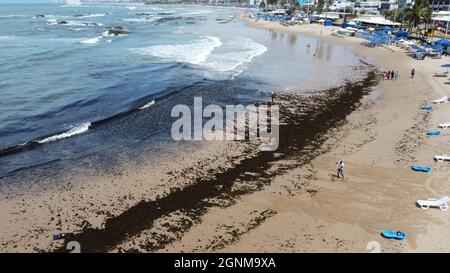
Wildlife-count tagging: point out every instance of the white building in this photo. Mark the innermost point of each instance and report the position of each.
(375, 21)
(441, 16)
(341, 5)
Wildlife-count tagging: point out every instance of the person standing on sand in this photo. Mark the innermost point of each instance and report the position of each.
(340, 169)
(413, 72)
(273, 97)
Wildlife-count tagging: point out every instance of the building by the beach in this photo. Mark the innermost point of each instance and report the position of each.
(440, 5)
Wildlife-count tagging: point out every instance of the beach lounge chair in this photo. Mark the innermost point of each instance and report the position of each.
(444, 125)
(391, 234)
(444, 99)
(419, 168)
(442, 203)
(442, 158)
(426, 107)
(433, 133)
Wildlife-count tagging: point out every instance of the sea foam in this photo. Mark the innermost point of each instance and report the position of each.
(245, 50)
(82, 128)
(147, 105)
(92, 40)
(195, 52)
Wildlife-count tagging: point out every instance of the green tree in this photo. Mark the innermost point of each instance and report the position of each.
(272, 2)
(262, 5)
(419, 13)
(320, 5)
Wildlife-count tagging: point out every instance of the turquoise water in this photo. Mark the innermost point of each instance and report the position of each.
(65, 81)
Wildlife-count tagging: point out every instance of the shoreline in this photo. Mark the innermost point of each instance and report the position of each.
(94, 225)
(280, 202)
(225, 187)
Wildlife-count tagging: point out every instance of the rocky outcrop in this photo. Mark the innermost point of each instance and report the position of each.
(115, 31)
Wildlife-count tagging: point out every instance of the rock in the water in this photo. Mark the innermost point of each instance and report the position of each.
(91, 24)
(117, 31)
(62, 23)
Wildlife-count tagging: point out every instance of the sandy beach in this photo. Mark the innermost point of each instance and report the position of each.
(310, 210)
(228, 197)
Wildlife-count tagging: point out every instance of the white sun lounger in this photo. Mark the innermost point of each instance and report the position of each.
(442, 203)
(444, 125)
(444, 99)
(442, 158)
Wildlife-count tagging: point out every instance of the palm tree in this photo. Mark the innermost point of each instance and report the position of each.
(419, 13)
(320, 5)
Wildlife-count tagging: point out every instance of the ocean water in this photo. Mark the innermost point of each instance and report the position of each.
(69, 89)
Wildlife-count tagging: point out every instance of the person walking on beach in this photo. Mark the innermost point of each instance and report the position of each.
(397, 74)
(340, 169)
(413, 72)
(273, 97)
(392, 75)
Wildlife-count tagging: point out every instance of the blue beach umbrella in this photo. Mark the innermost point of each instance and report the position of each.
(402, 33)
(443, 42)
(437, 48)
(447, 66)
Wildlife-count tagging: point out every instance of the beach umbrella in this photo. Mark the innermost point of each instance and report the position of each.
(402, 33)
(447, 66)
(443, 42)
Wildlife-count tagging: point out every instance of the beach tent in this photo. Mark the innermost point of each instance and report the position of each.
(328, 22)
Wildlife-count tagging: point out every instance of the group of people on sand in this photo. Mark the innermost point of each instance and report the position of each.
(390, 75)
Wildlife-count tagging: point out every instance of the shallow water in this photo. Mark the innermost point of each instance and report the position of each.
(69, 90)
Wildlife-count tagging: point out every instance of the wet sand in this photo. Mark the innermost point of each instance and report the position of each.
(230, 197)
